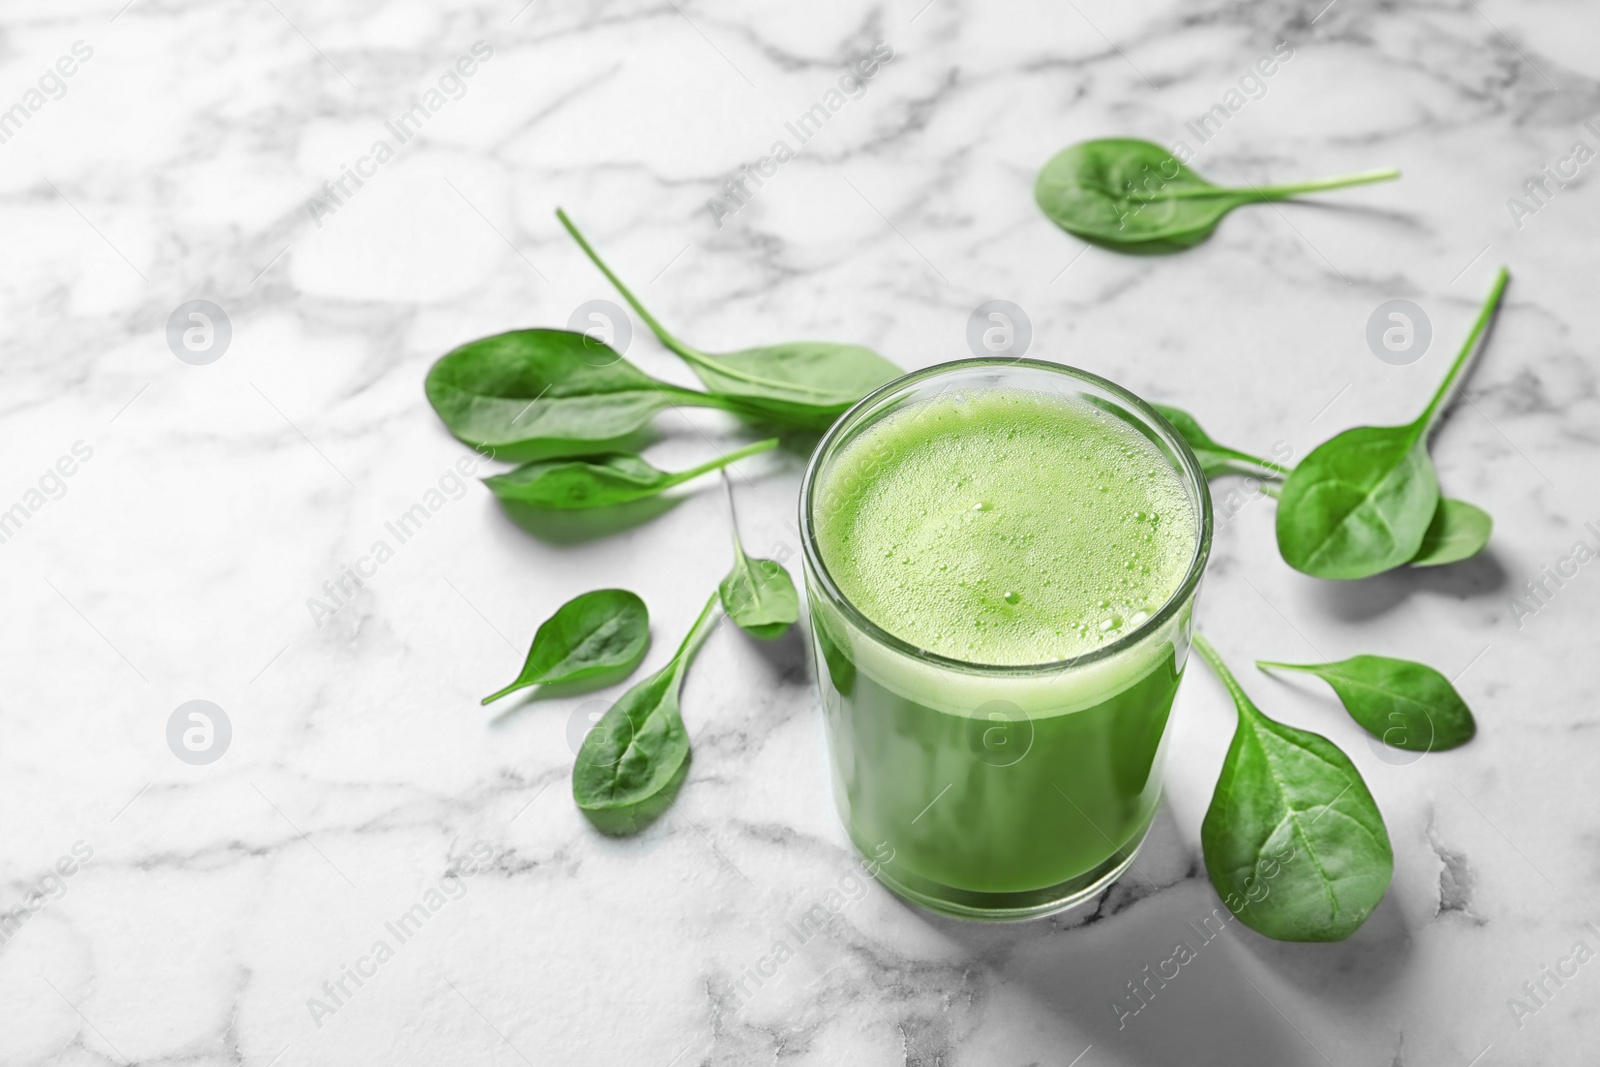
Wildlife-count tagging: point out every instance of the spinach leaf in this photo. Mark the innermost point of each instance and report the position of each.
(803, 384)
(757, 594)
(1362, 502)
(1401, 703)
(592, 641)
(1134, 196)
(599, 481)
(1293, 840)
(530, 393)
(1459, 531)
(1214, 459)
(631, 764)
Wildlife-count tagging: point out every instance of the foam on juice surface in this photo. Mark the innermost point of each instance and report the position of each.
(1004, 526)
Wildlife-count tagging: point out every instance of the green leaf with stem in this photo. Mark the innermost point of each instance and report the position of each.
(1458, 531)
(1404, 704)
(803, 384)
(1361, 503)
(757, 594)
(539, 393)
(1216, 459)
(592, 641)
(1293, 840)
(632, 763)
(600, 481)
(1135, 196)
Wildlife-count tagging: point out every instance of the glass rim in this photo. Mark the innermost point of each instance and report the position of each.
(1195, 476)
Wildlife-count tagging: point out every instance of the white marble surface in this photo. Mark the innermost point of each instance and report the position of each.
(178, 561)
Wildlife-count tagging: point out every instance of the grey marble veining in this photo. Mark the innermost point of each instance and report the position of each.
(211, 909)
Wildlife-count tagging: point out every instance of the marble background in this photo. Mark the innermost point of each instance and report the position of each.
(176, 562)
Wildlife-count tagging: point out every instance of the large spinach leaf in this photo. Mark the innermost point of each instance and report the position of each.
(1293, 840)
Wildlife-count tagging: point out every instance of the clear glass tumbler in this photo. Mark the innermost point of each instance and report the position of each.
(998, 792)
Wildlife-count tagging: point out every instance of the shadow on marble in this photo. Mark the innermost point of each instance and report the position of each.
(797, 443)
(1357, 972)
(1358, 601)
(1389, 216)
(1226, 1004)
(784, 656)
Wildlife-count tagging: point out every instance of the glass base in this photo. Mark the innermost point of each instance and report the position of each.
(1007, 907)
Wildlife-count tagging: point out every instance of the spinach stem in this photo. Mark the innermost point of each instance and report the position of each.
(693, 356)
(1283, 192)
(733, 517)
(1270, 192)
(1435, 407)
(1254, 461)
(722, 461)
(1267, 664)
(492, 697)
(691, 641)
(1241, 701)
(656, 328)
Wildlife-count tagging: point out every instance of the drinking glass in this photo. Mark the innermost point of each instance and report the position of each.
(997, 792)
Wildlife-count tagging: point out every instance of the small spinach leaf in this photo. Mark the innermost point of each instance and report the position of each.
(803, 384)
(1135, 196)
(1459, 531)
(531, 393)
(757, 594)
(599, 481)
(1293, 840)
(593, 640)
(1214, 459)
(1401, 703)
(1361, 503)
(633, 761)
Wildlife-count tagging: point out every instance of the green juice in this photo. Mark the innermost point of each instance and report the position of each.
(993, 534)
